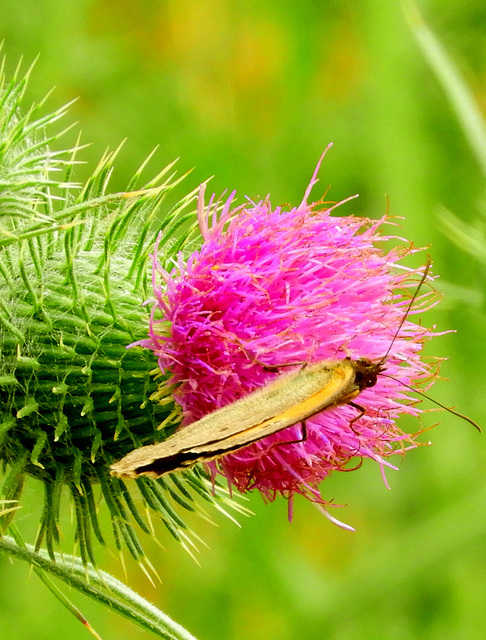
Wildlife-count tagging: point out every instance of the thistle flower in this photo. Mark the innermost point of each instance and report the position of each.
(270, 288)
(74, 273)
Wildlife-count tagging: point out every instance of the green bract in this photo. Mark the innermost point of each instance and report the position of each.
(74, 274)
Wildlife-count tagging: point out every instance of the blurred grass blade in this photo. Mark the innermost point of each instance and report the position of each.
(459, 94)
(469, 237)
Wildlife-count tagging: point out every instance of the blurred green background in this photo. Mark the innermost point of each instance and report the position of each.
(252, 92)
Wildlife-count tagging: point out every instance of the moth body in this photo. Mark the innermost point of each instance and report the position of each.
(288, 400)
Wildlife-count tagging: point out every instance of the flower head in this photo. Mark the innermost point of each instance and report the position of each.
(271, 288)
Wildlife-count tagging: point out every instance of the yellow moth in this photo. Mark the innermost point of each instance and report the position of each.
(289, 399)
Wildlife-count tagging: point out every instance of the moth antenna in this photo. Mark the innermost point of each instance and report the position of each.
(410, 304)
(439, 404)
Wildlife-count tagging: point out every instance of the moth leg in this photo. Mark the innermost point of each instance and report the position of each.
(303, 426)
(361, 413)
(274, 368)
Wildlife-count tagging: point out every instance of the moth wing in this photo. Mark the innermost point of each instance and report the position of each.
(286, 401)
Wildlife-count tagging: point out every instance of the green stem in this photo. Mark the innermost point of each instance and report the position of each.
(102, 587)
(56, 592)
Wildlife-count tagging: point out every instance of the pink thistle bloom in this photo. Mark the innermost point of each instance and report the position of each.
(270, 288)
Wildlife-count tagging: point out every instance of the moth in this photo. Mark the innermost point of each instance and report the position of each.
(288, 400)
